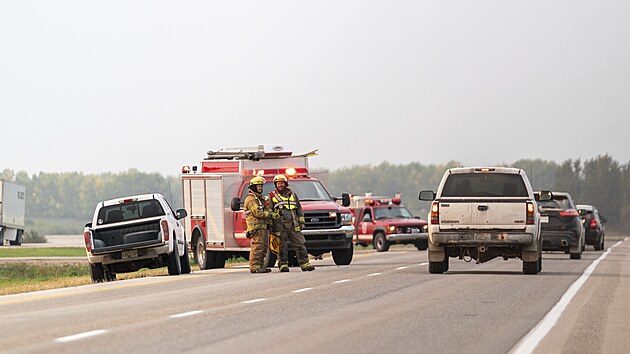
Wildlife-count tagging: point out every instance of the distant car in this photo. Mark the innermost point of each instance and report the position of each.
(561, 225)
(594, 228)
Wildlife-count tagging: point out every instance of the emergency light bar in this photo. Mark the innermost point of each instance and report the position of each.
(251, 152)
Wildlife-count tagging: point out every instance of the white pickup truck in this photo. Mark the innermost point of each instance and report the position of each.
(484, 213)
(135, 232)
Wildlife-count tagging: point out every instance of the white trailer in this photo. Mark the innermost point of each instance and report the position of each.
(12, 206)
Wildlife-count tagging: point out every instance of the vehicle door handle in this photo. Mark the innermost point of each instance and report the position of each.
(482, 207)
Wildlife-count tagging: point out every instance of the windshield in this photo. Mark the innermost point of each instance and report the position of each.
(484, 185)
(558, 202)
(129, 211)
(306, 190)
(394, 212)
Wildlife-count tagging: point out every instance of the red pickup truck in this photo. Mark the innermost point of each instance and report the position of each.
(383, 221)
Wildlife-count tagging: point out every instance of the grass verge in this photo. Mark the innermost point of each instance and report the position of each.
(42, 252)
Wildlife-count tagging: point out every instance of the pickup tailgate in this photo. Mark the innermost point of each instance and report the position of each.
(479, 214)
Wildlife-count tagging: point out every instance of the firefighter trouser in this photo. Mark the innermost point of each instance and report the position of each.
(258, 251)
(298, 242)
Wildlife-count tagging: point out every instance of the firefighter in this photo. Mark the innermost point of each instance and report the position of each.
(288, 223)
(257, 215)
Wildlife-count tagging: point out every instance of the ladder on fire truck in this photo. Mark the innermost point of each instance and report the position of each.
(256, 153)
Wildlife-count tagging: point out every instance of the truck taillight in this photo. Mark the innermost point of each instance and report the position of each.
(435, 213)
(530, 213)
(87, 237)
(593, 224)
(165, 232)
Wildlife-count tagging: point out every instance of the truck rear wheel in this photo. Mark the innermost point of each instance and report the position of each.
(185, 260)
(18, 239)
(438, 267)
(98, 274)
(380, 242)
(173, 263)
(343, 256)
(201, 258)
(532, 267)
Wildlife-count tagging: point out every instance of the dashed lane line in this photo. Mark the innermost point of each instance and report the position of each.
(373, 274)
(253, 301)
(399, 268)
(186, 314)
(302, 290)
(80, 336)
(341, 281)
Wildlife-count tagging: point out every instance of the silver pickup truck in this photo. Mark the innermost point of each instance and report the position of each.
(483, 213)
(135, 232)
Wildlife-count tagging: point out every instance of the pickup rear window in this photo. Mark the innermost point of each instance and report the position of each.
(484, 185)
(129, 211)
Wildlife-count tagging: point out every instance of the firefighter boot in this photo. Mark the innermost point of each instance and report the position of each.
(260, 270)
(284, 268)
(307, 267)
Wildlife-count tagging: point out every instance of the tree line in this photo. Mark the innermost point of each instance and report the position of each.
(63, 202)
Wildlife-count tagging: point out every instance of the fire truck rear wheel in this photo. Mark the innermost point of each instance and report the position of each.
(200, 254)
(380, 242)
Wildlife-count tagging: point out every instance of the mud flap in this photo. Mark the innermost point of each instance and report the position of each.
(529, 256)
(436, 256)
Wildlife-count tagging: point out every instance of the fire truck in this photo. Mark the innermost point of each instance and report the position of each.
(383, 221)
(213, 197)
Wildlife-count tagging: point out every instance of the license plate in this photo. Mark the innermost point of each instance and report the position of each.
(415, 230)
(484, 236)
(130, 254)
(544, 219)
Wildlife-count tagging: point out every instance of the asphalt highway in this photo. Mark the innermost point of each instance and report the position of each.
(382, 302)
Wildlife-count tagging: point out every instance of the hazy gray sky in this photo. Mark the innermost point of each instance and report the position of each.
(106, 86)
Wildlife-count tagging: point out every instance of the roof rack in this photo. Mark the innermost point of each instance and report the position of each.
(255, 153)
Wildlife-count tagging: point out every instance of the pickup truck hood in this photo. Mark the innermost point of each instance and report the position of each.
(402, 222)
(322, 205)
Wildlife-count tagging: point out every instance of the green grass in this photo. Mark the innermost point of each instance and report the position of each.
(43, 252)
(18, 278)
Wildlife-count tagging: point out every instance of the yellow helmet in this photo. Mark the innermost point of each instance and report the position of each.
(256, 181)
(280, 178)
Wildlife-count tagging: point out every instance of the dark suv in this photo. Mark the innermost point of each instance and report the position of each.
(561, 225)
(594, 227)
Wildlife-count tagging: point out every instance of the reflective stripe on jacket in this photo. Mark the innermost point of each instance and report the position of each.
(256, 211)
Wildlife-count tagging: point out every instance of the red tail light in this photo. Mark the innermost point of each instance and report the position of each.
(530, 213)
(435, 213)
(165, 232)
(87, 237)
(593, 224)
(569, 212)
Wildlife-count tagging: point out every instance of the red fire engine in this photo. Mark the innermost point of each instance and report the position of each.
(213, 198)
(382, 221)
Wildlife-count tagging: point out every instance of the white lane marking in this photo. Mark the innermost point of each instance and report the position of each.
(399, 268)
(252, 301)
(342, 281)
(422, 264)
(531, 340)
(373, 274)
(80, 336)
(301, 290)
(186, 314)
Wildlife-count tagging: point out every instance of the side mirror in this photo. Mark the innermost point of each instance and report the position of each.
(603, 219)
(428, 196)
(236, 204)
(89, 225)
(545, 196)
(345, 199)
(181, 213)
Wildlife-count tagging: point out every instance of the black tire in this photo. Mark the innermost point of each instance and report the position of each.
(599, 244)
(380, 242)
(577, 255)
(18, 239)
(185, 260)
(173, 262)
(109, 276)
(98, 273)
(343, 256)
(438, 267)
(422, 245)
(531, 267)
(540, 263)
(201, 256)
